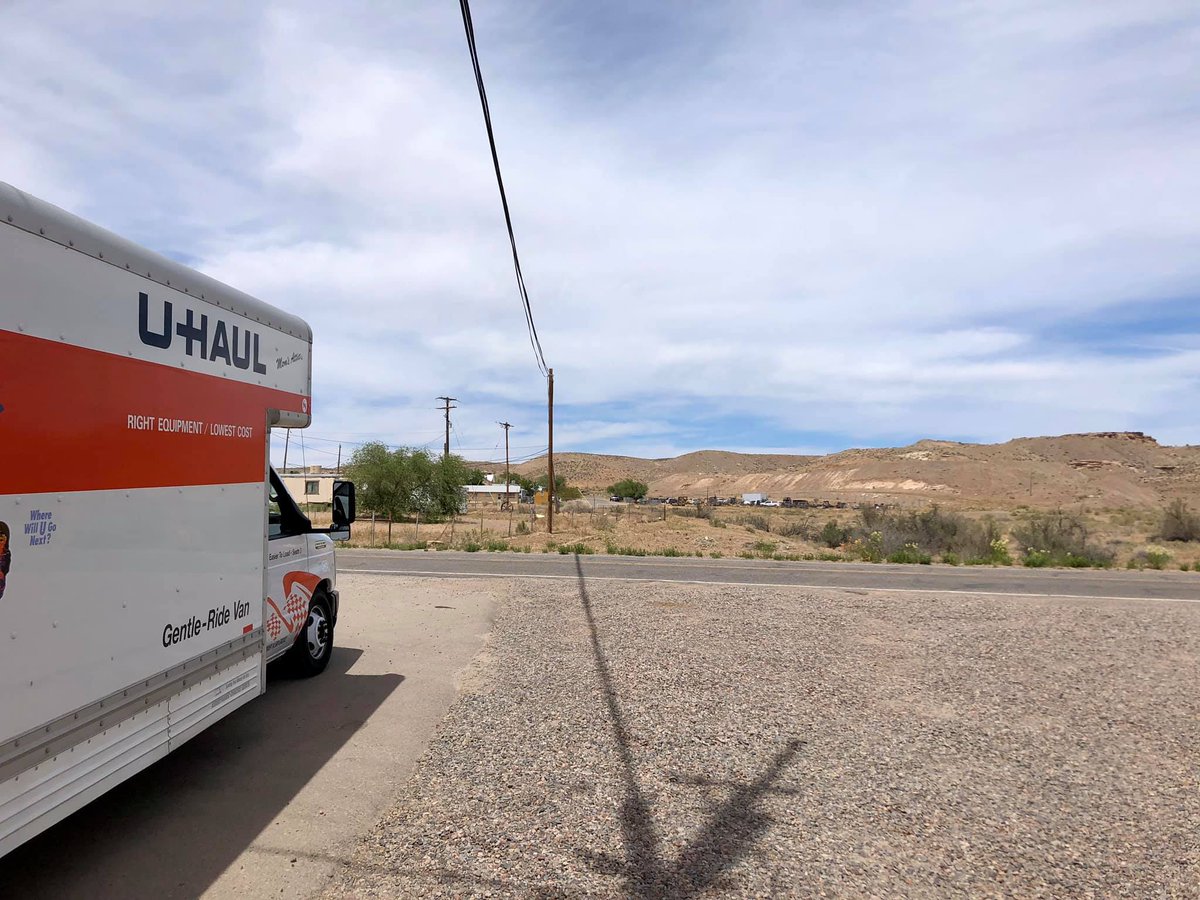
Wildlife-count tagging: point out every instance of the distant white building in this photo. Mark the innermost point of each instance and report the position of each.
(481, 493)
(753, 499)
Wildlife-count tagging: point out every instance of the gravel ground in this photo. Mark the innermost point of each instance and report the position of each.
(679, 740)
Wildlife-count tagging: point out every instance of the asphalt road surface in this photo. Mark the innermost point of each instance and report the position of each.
(1008, 581)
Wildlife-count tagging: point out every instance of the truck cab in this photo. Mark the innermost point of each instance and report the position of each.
(302, 577)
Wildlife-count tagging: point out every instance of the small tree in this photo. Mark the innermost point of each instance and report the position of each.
(833, 534)
(381, 481)
(628, 487)
(1180, 523)
(527, 484)
(403, 482)
(448, 477)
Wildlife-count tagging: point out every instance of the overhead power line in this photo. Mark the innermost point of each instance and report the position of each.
(469, 26)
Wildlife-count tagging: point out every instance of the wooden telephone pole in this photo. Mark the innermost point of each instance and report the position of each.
(446, 408)
(507, 495)
(550, 459)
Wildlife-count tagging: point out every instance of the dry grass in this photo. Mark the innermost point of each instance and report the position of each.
(730, 532)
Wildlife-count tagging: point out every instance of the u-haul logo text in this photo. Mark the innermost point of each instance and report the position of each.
(238, 347)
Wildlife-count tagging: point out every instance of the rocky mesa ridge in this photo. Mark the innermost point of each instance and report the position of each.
(1100, 469)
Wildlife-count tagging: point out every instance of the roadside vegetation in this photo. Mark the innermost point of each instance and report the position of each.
(1179, 523)
(406, 483)
(1135, 539)
(1059, 539)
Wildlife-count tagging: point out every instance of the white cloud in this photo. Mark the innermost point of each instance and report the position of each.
(872, 224)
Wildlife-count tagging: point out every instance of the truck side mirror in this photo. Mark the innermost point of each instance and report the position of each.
(343, 504)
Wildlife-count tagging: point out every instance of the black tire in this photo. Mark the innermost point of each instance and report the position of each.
(310, 654)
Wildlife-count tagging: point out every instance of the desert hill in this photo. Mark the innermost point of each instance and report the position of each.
(1107, 469)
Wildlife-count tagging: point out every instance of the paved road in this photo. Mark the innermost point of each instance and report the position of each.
(1115, 584)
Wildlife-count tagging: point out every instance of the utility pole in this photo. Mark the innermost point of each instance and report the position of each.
(446, 408)
(287, 440)
(339, 465)
(505, 426)
(550, 458)
(507, 495)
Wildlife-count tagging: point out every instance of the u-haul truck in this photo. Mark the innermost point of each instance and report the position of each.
(151, 561)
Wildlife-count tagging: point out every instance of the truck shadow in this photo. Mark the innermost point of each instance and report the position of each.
(186, 818)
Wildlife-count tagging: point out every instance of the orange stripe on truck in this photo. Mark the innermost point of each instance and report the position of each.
(93, 421)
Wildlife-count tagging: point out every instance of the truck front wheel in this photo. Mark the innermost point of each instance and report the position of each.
(310, 654)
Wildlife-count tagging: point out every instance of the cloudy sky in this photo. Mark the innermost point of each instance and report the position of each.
(791, 227)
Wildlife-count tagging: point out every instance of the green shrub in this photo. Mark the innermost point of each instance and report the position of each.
(998, 554)
(472, 547)
(911, 554)
(716, 554)
(410, 545)
(831, 557)
(614, 550)
(1133, 564)
(522, 527)
(950, 558)
(495, 546)
(869, 548)
(1063, 537)
(802, 528)
(580, 549)
(745, 554)
(932, 530)
(1038, 559)
(757, 523)
(671, 551)
(1157, 558)
(765, 549)
(833, 534)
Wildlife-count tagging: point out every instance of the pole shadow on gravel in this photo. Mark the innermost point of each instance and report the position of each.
(731, 831)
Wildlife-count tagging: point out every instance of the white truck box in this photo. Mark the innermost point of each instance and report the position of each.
(141, 594)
